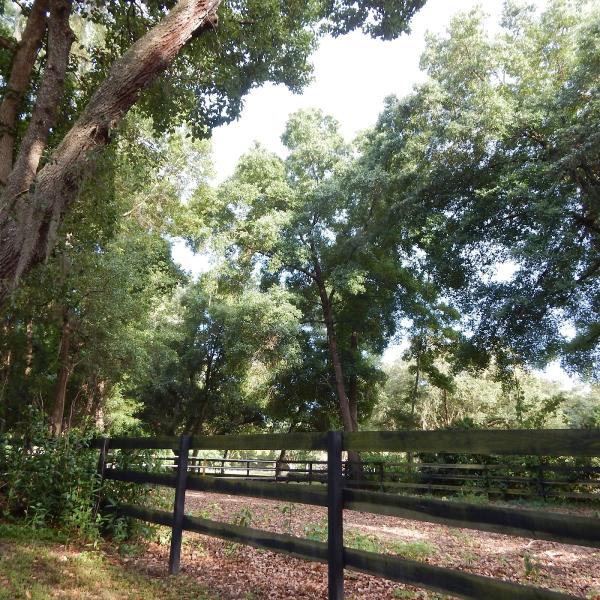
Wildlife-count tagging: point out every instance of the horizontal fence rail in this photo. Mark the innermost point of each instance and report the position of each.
(344, 493)
(536, 442)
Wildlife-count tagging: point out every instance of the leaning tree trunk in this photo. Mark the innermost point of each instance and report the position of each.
(23, 62)
(31, 211)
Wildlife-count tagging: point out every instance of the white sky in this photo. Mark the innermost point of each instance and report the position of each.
(352, 77)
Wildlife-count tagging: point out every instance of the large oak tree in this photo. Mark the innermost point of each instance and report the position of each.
(47, 88)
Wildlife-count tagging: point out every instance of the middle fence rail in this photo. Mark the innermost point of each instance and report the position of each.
(340, 494)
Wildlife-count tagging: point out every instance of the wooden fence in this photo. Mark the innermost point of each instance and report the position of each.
(338, 495)
(495, 479)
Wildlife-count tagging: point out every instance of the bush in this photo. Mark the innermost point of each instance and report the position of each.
(53, 481)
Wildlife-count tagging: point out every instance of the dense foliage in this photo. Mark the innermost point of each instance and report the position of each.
(463, 223)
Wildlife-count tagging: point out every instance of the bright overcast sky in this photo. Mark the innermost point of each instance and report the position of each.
(353, 75)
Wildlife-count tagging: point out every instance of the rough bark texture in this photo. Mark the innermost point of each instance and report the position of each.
(353, 384)
(50, 93)
(29, 221)
(18, 83)
(64, 361)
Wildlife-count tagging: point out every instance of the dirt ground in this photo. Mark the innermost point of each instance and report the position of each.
(235, 572)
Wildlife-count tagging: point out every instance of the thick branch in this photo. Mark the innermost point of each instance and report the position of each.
(50, 93)
(8, 43)
(27, 235)
(18, 82)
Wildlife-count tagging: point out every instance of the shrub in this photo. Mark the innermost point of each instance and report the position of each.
(53, 481)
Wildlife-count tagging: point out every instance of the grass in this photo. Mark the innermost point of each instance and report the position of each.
(37, 564)
(413, 550)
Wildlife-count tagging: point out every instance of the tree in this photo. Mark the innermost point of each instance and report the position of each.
(263, 41)
(78, 330)
(499, 148)
(481, 399)
(291, 220)
(213, 356)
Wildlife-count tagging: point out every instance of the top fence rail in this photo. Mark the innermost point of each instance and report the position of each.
(537, 442)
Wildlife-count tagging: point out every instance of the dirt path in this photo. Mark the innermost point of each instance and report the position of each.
(239, 572)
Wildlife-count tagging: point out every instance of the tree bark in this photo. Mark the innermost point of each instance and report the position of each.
(29, 220)
(64, 361)
(353, 384)
(18, 82)
(6, 375)
(49, 96)
(356, 471)
(28, 348)
(335, 356)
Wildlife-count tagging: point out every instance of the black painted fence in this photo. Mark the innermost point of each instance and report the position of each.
(338, 495)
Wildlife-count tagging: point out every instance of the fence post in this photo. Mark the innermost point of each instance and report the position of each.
(335, 516)
(179, 506)
(102, 457)
(541, 483)
(100, 471)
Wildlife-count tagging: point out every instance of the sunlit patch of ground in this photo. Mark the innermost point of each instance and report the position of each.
(40, 565)
(239, 572)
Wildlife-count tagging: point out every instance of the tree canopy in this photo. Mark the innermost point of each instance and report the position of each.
(462, 225)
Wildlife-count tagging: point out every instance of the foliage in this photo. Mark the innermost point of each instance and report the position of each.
(496, 154)
(53, 482)
(213, 355)
(480, 399)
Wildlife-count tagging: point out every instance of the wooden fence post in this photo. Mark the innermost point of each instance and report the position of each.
(335, 516)
(100, 470)
(179, 506)
(540, 481)
(102, 457)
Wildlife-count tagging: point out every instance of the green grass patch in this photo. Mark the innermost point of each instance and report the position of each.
(36, 564)
(412, 550)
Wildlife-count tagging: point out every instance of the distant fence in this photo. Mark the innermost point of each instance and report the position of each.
(543, 479)
(340, 494)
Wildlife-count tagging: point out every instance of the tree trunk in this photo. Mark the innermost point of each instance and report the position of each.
(28, 348)
(415, 393)
(49, 96)
(279, 463)
(18, 82)
(6, 368)
(356, 471)
(336, 360)
(353, 384)
(413, 403)
(64, 372)
(446, 413)
(29, 218)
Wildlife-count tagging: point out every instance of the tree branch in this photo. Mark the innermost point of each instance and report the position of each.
(29, 225)
(50, 93)
(18, 82)
(8, 43)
